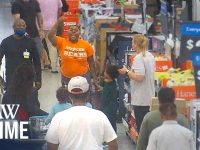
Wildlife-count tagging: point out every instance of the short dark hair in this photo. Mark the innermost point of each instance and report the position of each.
(62, 94)
(168, 109)
(112, 71)
(81, 96)
(166, 95)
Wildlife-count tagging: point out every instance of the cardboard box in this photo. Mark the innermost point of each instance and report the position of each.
(101, 46)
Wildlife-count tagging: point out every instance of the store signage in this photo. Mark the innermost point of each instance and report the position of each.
(196, 64)
(189, 44)
(190, 29)
(190, 40)
(190, 49)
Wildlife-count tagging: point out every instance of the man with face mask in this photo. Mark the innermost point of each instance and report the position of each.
(19, 49)
(29, 11)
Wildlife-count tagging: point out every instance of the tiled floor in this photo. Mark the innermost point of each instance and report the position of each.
(50, 82)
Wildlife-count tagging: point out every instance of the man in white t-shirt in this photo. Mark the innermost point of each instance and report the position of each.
(170, 135)
(80, 127)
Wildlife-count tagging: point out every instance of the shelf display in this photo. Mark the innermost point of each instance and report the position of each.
(195, 120)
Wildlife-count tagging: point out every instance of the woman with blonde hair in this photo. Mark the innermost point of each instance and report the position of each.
(142, 78)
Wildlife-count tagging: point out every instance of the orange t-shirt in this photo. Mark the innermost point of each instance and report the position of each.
(74, 56)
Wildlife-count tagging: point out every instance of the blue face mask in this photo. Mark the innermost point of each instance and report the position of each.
(20, 32)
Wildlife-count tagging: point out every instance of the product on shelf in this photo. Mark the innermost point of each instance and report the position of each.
(181, 81)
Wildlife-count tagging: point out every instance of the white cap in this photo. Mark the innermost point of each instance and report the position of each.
(78, 82)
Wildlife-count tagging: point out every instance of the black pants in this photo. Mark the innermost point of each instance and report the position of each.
(110, 110)
(46, 48)
(140, 112)
(158, 6)
(113, 120)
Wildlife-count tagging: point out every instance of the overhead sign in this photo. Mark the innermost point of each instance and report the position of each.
(190, 29)
(190, 40)
(196, 64)
(189, 44)
(190, 49)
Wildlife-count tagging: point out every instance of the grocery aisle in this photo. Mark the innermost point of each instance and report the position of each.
(50, 82)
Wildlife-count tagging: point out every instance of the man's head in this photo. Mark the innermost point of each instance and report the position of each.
(19, 28)
(168, 111)
(78, 88)
(166, 95)
(73, 33)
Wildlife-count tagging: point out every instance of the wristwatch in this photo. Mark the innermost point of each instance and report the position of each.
(127, 71)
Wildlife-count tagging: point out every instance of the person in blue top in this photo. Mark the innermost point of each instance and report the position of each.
(110, 94)
(62, 104)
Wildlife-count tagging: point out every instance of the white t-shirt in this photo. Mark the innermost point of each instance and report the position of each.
(171, 136)
(80, 128)
(143, 91)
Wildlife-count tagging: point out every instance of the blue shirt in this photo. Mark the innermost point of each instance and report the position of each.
(58, 107)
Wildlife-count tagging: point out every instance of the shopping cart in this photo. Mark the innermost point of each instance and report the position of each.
(38, 127)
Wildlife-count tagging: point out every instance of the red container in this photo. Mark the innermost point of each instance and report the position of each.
(163, 66)
(69, 20)
(73, 6)
(185, 92)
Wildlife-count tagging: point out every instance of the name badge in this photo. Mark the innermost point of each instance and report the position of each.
(26, 54)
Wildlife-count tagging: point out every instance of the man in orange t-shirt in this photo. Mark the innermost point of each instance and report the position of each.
(76, 54)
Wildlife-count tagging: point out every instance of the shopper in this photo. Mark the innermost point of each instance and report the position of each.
(170, 135)
(30, 12)
(21, 91)
(142, 78)
(51, 11)
(110, 94)
(76, 54)
(152, 119)
(19, 49)
(63, 103)
(80, 127)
